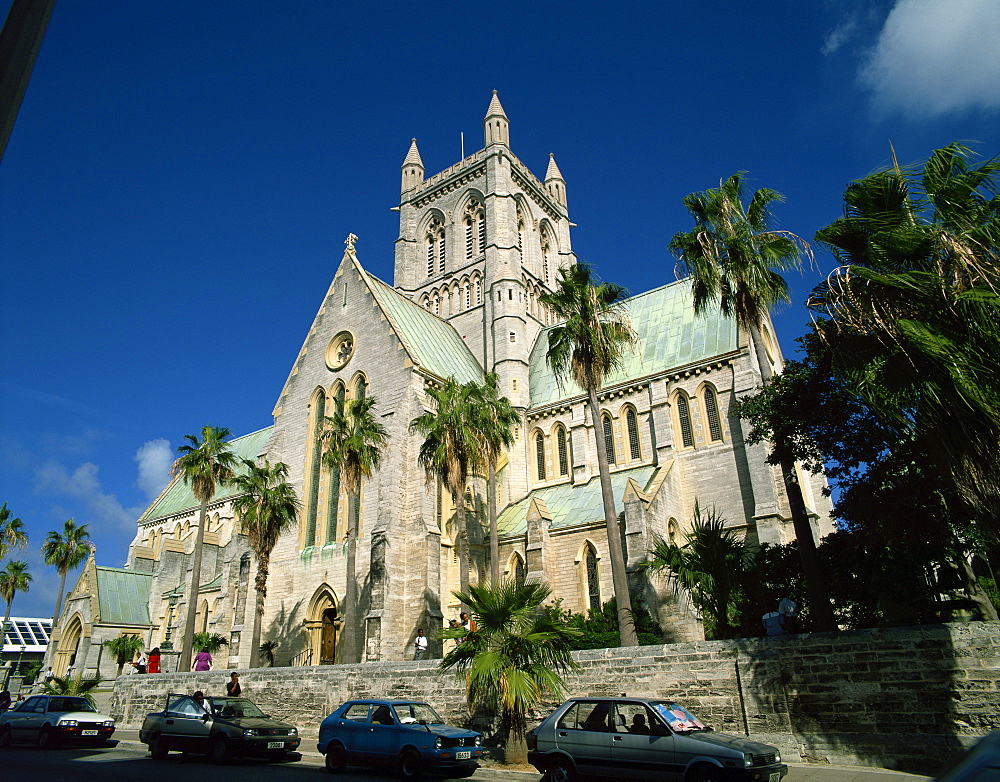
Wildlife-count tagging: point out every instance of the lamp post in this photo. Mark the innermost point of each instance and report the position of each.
(167, 645)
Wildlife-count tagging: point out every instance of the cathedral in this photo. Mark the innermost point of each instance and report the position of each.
(479, 243)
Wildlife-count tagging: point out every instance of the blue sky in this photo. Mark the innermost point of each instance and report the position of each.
(176, 193)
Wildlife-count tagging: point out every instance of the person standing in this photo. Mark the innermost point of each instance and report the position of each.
(153, 665)
(233, 688)
(420, 645)
(202, 660)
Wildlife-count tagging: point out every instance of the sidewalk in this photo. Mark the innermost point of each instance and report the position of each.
(797, 772)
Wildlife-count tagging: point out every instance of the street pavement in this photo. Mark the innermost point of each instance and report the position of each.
(797, 772)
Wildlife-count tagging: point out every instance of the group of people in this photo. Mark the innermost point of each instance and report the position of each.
(146, 664)
(421, 643)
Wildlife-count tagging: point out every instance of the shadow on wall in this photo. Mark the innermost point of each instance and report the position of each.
(288, 630)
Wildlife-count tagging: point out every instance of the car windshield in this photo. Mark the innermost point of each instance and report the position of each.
(70, 704)
(678, 718)
(234, 707)
(408, 713)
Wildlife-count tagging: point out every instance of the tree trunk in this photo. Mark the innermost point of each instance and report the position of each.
(463, 545)
(184, 661)
(260, 592)
(626, 622)
(351, 618)
(494, 543)
(820, 608)
(3, 625)
(975, 593)
(515, 751)
(62, 586)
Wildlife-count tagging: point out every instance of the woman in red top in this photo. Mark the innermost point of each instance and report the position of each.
(153, 663)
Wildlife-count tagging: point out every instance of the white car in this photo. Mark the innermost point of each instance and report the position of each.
(47, 720)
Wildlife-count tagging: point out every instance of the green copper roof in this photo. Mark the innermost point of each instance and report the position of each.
(431, 342)
(177, 496)
(670, 335)
(123, 595)
(570, 505)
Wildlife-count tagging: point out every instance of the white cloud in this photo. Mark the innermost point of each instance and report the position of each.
(840, 34)
(936, 56)
(82, 484)
(154, 458)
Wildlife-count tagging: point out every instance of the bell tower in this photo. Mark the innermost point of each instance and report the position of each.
(479, 242)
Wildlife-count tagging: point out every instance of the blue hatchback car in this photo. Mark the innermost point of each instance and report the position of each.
(406, 735)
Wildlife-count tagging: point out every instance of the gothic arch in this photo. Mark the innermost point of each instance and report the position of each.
(432, 233)
(588, 561)
(607, 430)
(472, 209)
(633, 432)
(318, 410)
(69, 645)
(515, 566)
(538, 455)
(548, 261)
(709, 396)
(323, 625)
(562, 458)
(683, 419)
(359, 386)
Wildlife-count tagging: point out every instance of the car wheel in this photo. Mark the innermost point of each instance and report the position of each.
(45, 738)
(336, 759)
(6, 737)
(410, 765)
(560, 771)
(218, 751)
(705, 774)
(156, 748)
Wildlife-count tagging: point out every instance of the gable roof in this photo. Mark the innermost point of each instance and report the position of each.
(123, 595)
(670, 336)
(432, 344)
(569, 505)
(178, 496)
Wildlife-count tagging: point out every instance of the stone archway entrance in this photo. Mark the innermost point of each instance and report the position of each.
(69, 645)
(323, 626)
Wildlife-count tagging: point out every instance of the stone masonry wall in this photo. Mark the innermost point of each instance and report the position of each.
(907, 698)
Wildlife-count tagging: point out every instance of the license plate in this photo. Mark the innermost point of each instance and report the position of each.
(463, 755)
(88, 732)
(281, 745)
(775, 777)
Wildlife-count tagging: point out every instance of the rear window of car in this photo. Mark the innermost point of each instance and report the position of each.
(586, 715)
(70, 704)
(357, 712)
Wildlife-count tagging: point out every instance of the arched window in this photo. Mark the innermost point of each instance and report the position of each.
(684, 420)
(475, 229)
(673, 533)
(593, 580)
(712, 414)
(609, 438)
(518, 569)
(468, 295)
(360, 387)
(479, 291)
(632, 424)
(563, 451)
(540, 455)
(316, 416)
(520, 233)
(546, 256)
(434, 239)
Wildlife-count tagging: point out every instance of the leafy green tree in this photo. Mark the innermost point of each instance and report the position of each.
(710, 567)
(733, 258)
(599, 626)
(587, 346)
(65, 551)
(267, 507)
(353, 443)
(73, 685)
(495, 419)
(12, 532)
(451, 449)
(124, 648)
(203, 465)
(514, 658)
(13, 579)
(913, 313)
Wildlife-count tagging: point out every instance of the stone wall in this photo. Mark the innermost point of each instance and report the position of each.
(906, 698)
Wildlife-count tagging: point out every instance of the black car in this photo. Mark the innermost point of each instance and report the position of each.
(218, 727)
(639, 738)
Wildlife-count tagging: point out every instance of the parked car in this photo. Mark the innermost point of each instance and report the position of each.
(407, 735)
(221, 728)
(52, 719)
(638, 738)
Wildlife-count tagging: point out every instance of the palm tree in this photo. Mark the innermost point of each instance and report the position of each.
(709, 567)
(65, 551)
(124, 648)
(75, 685)
(495, 422)
(204, 465)
(12, 532)
(267, 507)
(13, 579)
(514, 658)
(353, 442)
(587, 347)
(733, 258)
(452, 448)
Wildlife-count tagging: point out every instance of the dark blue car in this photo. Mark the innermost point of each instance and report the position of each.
(406, 735)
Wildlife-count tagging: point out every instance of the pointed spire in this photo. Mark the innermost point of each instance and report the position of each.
(554, 182)
(413, 168)
(496, 126)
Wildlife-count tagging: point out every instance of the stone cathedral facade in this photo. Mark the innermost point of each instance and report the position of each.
(478, 244)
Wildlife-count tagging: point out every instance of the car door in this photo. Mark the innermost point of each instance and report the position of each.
(642, 747)
(185, 726)
(582, 733)
(352, 729)
(25, 721)
(383, 735)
